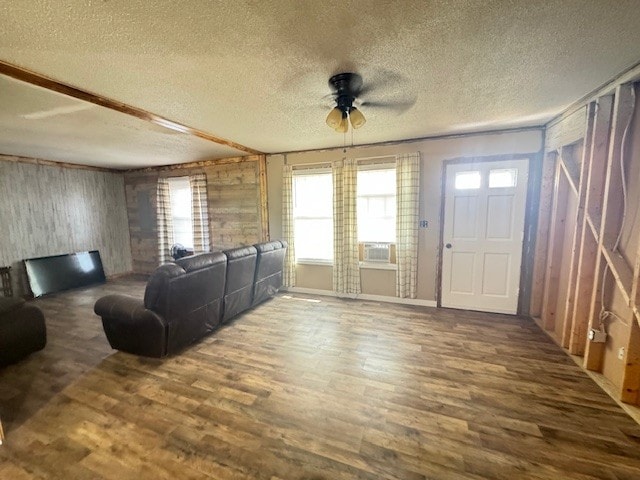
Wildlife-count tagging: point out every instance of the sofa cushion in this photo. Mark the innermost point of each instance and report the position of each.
(22, 331)
(10, 303)
(240, 252)
(268, 278)
(202, 260)
(241, 269)
(194, 306)
(268, 246)
(155, 295)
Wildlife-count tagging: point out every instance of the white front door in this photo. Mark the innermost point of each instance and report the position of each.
(484, 213)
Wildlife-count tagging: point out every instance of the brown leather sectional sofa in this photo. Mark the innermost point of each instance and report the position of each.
(190, 298)
(22, 330)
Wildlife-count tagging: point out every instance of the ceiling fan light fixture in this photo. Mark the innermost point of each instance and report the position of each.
(357, 118)
(334, 119)
(343, 126)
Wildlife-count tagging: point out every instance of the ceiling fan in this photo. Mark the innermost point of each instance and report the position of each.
(348, 90)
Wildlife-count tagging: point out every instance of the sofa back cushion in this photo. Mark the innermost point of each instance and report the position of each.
(202, 284)
(188, 294)
(241, 269)
(269, 264)
(157, 291)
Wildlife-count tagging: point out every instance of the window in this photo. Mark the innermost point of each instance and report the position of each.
(313, 215)
(503, 177)
(467, 180)
(377, 204)
(180, 191)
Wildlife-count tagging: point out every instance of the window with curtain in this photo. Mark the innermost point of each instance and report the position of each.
(313, 214)
(181, 215)
(377, 204)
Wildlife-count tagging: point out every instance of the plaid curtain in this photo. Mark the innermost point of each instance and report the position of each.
(346, 265)
(407, 201)
(165, 224)
(199, 213)
(289, 279)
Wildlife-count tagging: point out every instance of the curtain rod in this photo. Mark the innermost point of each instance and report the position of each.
(369, 160)
(311, 166)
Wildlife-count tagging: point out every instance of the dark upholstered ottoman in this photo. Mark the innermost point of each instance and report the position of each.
(22, 330)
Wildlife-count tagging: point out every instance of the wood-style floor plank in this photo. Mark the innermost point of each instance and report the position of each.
(311, 388)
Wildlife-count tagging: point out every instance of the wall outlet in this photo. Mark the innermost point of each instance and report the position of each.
(424, 223)
(621, 353)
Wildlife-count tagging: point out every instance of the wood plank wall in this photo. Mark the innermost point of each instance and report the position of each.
(140, 190)
(235, 197)
(591, 278)
(51, 209)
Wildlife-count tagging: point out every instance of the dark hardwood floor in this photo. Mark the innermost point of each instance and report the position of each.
(311, 388)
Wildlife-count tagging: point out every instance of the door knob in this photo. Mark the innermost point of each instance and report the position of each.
(448, 245)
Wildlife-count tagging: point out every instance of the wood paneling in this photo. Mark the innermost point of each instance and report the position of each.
(141, 191)
(311, 388)
(50, 210)
(234, 202)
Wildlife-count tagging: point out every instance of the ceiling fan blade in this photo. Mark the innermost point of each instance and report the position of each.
(398, 107)
(355, 84)
(382, 80)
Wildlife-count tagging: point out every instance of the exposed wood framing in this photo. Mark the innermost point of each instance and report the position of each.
(576, 242)
(264, 205)
(199, 164)
(632, 74)
(544, 223)
(610, 222)
(591, 243)
(556, 239)
(594, 162)
(39, 80)
(612, 208)
(593, 351)
(630, 388)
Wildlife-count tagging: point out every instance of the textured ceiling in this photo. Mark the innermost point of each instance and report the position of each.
(255, 71)
(38, 123)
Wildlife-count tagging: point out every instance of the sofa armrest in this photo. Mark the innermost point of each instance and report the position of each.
(121, 306)
(10, 303)
(131, 327)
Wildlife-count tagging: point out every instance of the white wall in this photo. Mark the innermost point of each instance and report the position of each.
(433, 153)
(50, 210)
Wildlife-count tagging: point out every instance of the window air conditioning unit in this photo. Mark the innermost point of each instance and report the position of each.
(377, 252)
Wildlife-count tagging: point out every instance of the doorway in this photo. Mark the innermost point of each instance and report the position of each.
(483, 233)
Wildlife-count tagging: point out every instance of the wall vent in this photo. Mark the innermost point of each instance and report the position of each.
(377, 252)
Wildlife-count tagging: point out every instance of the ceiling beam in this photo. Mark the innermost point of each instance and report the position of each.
(39, 80)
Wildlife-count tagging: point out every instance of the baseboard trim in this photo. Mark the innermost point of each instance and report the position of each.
(362, 296)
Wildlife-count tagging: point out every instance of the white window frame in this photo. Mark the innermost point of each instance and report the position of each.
(174, 183)
(310, 172)
(377, 167)
(374, 166)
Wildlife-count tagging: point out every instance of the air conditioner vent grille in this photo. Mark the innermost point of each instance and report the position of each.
(377, 252)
